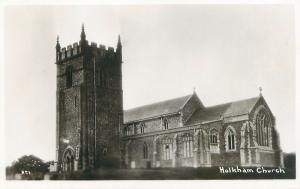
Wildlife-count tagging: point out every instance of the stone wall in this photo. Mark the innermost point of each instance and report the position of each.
(266, 155)
(136, 155)
(104, 84)
(153, 125)
(69, 107)
(267, 159)
(246, 153)
(78, 77)
(223, 157)
(134, 151)
(95, 96)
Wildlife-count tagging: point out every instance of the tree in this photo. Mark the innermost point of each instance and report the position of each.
(29, 165)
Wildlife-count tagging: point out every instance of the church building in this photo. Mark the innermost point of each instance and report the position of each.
(182, 132)
(94, 131)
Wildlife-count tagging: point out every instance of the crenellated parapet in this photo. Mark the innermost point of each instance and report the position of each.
(101, 49)
(68, 52)
(84, 48)
(75, 50)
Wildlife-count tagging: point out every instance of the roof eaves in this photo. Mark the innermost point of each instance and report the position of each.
(153, 117)
(236, 115)
(204, 122)
(211, 121)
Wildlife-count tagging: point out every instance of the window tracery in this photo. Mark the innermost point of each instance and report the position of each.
(167, 148)
(263, 128)
(230, 139)
(214, 141)
(187, 145)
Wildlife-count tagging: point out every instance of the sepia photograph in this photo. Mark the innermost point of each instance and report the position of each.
(150, 92)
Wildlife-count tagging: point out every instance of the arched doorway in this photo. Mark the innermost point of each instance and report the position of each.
(68, 160)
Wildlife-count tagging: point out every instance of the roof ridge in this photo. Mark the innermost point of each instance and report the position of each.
(228, 103)
(158, 102)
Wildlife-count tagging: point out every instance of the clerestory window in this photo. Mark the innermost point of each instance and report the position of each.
(165, 124)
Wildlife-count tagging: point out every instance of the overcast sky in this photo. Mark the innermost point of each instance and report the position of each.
(225, 51)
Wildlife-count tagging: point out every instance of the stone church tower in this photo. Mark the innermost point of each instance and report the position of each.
(89, 102)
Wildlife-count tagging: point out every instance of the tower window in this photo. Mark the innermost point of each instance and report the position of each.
(69, 75)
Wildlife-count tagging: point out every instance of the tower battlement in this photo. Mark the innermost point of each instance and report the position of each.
(68, 52)
(78, 49)
(75, 50)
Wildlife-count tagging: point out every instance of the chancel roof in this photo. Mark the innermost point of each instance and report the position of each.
(155, 109)
(213, 113)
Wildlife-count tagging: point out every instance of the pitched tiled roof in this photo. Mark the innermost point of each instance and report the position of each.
(156, 109)
(224, 110)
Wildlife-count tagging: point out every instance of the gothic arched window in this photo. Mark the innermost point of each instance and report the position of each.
(69, 76)
(263, 125)
(145, 151)
(187, 145)
(165, 124)
(134, 129)
(213, 136)
(230, 139)
(167, 148)
(142, 128)
(214, 141)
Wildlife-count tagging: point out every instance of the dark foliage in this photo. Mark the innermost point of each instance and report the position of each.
(290, 160)
(30, 167)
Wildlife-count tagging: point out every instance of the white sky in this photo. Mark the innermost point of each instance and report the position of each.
(225, 51)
